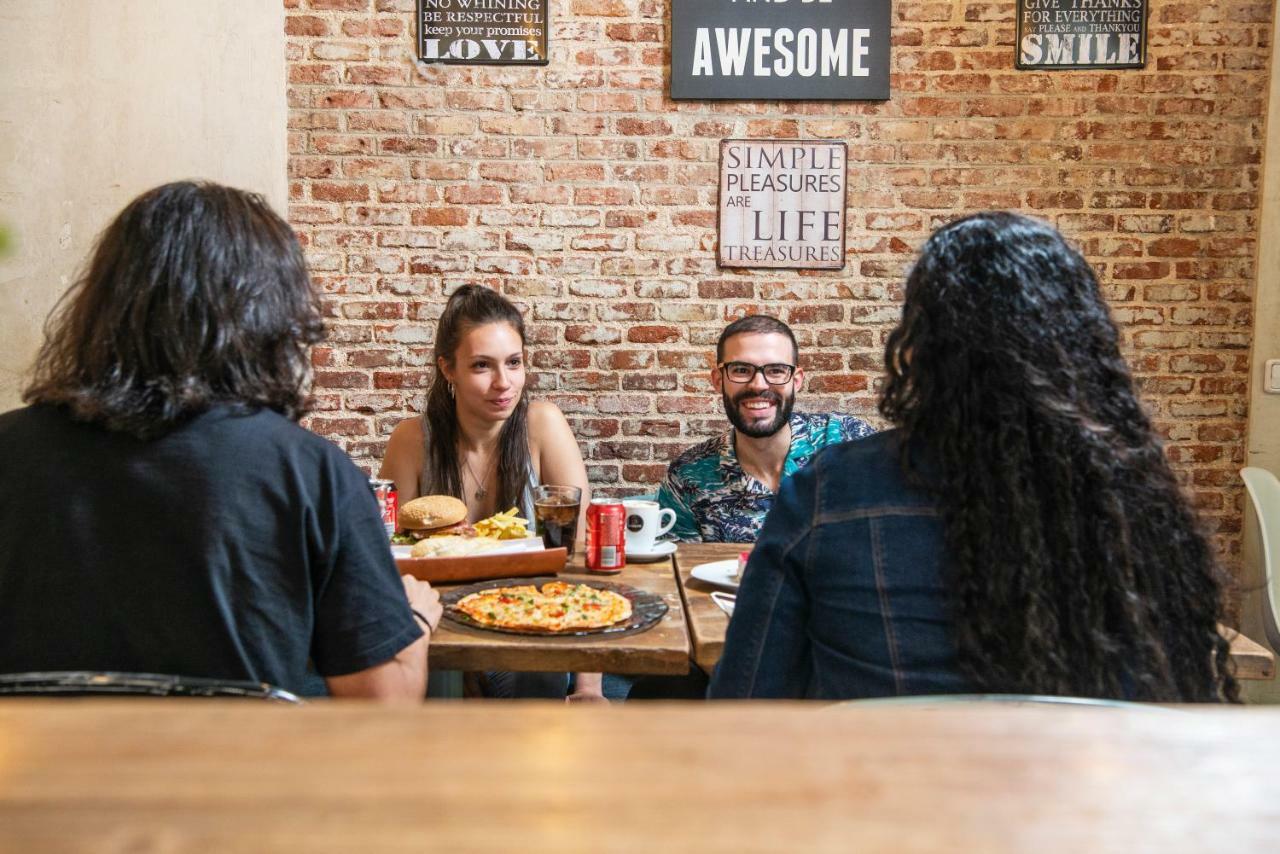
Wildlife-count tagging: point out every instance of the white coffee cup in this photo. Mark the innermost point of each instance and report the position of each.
(646, 521)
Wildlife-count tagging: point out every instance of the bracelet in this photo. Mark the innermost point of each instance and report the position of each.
(423, 617)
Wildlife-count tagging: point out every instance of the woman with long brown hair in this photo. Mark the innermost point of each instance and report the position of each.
(481, 439)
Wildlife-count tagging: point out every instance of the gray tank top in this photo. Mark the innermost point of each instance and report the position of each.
(526, 496)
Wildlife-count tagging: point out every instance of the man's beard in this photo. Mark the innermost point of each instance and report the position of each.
(755, 428)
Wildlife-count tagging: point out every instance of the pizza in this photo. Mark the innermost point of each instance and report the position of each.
(558, 607)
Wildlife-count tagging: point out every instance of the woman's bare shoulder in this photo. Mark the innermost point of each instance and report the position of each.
(544, 411)
(546, 421)
(408, 430)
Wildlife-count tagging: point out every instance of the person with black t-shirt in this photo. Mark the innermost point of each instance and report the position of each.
(161, 511)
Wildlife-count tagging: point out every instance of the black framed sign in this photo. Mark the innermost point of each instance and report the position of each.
(483, 32)
(786, 50)
(1078, 34)
(782, 203)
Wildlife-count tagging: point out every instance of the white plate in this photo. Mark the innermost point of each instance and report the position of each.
(660, 550)
(525, 544)
(722, 573)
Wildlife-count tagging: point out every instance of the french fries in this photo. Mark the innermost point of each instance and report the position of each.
(503, 526)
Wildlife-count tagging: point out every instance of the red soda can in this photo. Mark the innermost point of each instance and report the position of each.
(606, 539)
(389, 500)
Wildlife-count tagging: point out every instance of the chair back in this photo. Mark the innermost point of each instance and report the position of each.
(931, 701)
(1264, 489)
(85, 683)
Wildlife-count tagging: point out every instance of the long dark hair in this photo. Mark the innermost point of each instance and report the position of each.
(1075, 563)
(471, 306)
(195, 295)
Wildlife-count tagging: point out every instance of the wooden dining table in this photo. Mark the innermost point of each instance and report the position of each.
(234, 777)
(663, 649)
(708, 622)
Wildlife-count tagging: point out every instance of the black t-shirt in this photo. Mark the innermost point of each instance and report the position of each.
(237, 546)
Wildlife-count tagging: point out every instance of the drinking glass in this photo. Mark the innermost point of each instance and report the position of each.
(555, 515)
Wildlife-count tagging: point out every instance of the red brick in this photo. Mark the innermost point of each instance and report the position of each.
(592, 334)
(642, 127)
(339, 5)
(662, 429)
(649, 382)
(594, 428)
(837, 383)
(339, 426)
(653, 334)
(440, 216)
(1143, 270)
(402, 379)
(644, 474)
(341, 379)
(305, 25)
(726, 289)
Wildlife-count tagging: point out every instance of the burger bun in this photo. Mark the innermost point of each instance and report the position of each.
(431, 513)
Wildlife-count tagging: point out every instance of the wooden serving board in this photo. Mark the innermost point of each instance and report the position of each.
(450, 570)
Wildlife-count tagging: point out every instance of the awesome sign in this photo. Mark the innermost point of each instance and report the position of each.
(1082, 34)
(782, 203)
(483, 32)
(787, 50)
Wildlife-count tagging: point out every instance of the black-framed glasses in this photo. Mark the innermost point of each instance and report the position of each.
(776, 373)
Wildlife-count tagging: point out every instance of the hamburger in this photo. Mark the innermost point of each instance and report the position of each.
(434, 516)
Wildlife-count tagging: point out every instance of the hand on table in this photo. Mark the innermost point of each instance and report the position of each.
(587, 688)
(423, 599)
(587, 697)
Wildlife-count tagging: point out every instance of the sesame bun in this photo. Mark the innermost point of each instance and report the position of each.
(431, 512)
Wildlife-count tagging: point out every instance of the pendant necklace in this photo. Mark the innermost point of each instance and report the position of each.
(481, 492)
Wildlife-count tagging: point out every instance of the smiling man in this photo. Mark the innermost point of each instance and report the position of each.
(722, 488)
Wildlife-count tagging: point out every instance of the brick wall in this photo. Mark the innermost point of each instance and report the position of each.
(583, 193)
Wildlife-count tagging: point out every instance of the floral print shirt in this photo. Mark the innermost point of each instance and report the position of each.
(716, 501)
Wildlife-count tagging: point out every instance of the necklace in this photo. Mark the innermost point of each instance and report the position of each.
(481, 493)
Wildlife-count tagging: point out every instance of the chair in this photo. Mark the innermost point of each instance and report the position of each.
(1264, 489)
(85, 683)
(929, 701)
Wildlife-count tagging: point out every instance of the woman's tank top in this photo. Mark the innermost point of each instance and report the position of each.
(526, 495)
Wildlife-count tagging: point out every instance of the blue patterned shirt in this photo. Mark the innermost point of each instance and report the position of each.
(716, 501)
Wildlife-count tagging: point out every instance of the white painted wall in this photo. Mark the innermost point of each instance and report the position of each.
(102, 99)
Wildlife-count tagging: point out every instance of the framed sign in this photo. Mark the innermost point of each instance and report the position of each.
(787, 50)
(1082, 34)
(782, 203)
(483, 32)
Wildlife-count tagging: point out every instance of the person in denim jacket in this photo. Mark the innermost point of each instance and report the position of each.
(1019, 531)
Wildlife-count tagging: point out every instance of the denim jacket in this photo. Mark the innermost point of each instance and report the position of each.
(843, 596)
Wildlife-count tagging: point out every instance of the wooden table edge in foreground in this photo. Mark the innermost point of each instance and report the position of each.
(663, 649)
(707, 623)
(245, 776)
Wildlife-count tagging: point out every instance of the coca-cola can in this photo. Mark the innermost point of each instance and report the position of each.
(389, 500)
(606, 536)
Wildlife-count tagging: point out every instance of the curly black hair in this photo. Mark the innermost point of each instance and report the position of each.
(1075, 563)
(195, 295)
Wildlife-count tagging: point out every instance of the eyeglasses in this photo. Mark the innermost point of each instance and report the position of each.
(744, 372)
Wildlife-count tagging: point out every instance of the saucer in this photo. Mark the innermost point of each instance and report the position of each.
(660, 550)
